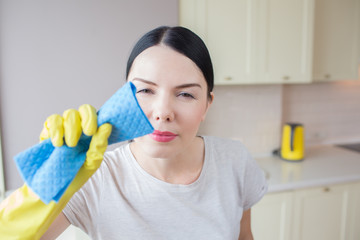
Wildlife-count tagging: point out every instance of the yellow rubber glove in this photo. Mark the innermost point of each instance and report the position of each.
(23, 215)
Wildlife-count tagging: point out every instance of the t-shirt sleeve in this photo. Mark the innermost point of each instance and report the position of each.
(82, 209)
(255, 184)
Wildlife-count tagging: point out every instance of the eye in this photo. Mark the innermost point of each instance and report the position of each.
(145, 91)
(186, 95)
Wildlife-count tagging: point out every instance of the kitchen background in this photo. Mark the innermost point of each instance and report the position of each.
(60, 54)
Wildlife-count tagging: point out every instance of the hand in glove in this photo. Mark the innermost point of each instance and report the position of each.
(23, 215)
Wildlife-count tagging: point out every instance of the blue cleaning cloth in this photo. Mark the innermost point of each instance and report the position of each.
(49, 170)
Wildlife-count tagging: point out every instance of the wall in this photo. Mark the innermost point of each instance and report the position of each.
(56, 55)
(330, 112)
(250, 113)
(255, 114)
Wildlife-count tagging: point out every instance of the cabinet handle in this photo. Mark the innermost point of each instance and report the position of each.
(327, 76)
(326, 189)
(286, 78)
(228, 78)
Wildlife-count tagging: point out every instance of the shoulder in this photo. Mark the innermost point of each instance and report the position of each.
(225, 146)
(229, 154)
(234, 166)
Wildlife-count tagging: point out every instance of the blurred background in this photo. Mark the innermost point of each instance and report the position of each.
(56, 55)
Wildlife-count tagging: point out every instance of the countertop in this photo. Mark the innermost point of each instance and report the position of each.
(322, 166)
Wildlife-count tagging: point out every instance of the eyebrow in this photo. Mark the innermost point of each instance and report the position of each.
(144, 81)
(186, 85)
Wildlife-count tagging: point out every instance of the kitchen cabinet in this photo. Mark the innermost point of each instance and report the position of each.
(330, 212)
(283, 33)
(336, 40)
(354, 212)
(321, 213)
(254, 41)
(278, 41)
(271, 218)
(225, 27)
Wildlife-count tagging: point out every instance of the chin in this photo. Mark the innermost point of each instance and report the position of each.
(158, 149)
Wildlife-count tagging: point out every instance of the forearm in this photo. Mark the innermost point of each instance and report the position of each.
(247, 237)
(245, 226)
(59, 225)
(24, 216)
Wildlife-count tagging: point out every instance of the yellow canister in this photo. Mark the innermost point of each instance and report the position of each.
(292, 144)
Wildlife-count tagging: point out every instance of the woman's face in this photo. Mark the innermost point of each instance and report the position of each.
(172, 92)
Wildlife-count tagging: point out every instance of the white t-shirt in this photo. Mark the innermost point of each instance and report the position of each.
(122, 201)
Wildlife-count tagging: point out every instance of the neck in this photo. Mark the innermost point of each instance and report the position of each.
(182, 168)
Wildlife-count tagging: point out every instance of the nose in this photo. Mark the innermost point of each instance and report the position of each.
(163, 110)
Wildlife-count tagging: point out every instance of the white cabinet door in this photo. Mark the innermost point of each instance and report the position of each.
(271, 218)
(336, 40)
(225, 28)
(254, 41)
(321, 213)
(353, 221)
(228, 38)
(283, 39)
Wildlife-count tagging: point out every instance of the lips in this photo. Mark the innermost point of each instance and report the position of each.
(161, 136)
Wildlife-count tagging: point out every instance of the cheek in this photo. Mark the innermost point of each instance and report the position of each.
(191, 117)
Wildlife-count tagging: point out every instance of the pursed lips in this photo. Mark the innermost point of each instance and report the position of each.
(163, 136)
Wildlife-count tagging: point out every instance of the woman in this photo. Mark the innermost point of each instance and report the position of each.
(171, 184)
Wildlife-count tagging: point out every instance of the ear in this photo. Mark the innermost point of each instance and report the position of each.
(208, 104)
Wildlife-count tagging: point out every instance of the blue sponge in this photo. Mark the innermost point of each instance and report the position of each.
(49, 170)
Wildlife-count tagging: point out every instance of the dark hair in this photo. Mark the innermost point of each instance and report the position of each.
(181, 40)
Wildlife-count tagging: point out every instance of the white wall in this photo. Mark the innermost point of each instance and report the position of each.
(59, 54)
(250, 113)
(254, 114)
(330, 112)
